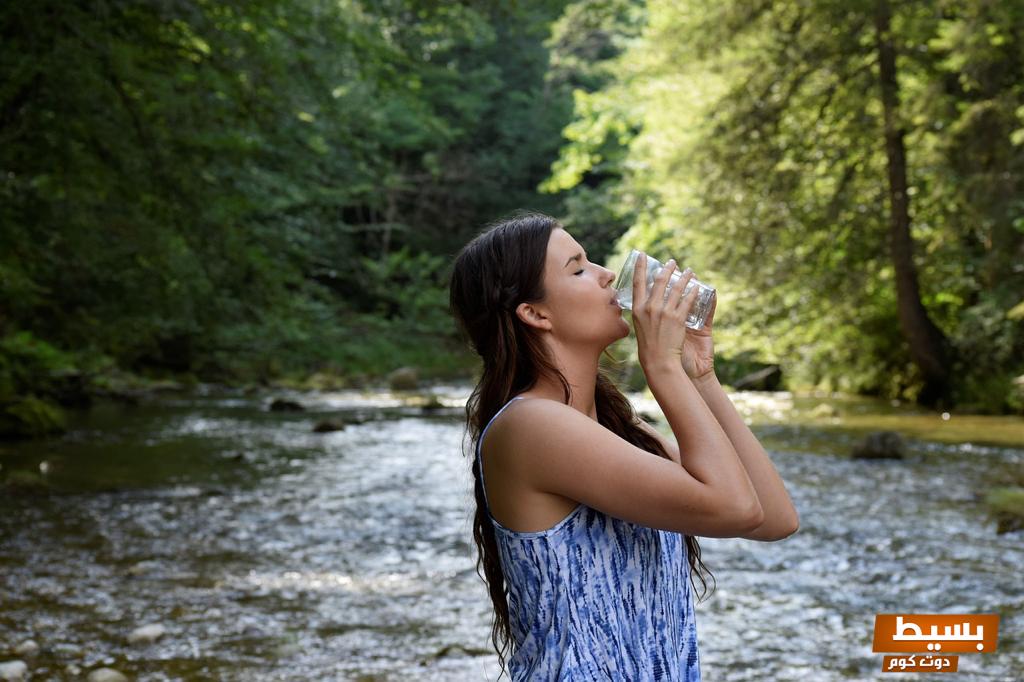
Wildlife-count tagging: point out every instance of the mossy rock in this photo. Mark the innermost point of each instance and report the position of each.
(404, 379)
(1015, 398)
(285, 405)
(879, 445)
(824, 411)
(166, 386)
(23, 480)
(328, 425)
(118, 385)
(30, 417)
(324, 381)
(1007, 507)
(428, 402)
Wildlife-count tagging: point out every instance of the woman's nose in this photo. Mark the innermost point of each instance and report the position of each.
(609, 275)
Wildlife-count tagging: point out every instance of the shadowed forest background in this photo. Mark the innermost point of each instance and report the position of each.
(273, 192)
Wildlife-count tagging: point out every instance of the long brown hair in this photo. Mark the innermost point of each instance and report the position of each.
(498, 269)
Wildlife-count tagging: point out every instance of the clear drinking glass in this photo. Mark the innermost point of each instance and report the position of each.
(624, 287)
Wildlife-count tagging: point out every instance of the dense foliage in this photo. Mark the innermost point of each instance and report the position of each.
(240, 191)
(236, 190)
(851, 176)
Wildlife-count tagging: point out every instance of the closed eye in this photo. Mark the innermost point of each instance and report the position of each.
(579, 272)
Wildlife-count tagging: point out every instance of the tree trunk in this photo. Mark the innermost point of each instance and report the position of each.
(929, 347)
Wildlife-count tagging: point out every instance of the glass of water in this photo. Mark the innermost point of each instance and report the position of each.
(624, 286)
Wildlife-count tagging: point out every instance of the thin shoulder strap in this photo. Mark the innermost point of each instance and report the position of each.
(480, 442)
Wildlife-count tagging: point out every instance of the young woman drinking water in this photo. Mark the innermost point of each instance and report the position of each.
(587, 517)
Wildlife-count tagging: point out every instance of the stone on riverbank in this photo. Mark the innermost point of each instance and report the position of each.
(404, 379)
(879, 445)
(106, 675)
(328, 425)
(24, 481)
(427, 402)
(147, 634)
(324, 381)
(13, 671)
(824, 411)
(283, 405)
(28, 648)
(1007, 506)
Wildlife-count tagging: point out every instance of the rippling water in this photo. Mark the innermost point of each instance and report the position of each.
(270, 552)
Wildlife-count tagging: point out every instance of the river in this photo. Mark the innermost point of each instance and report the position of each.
(269, 552)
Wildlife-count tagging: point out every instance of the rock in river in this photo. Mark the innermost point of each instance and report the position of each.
(879, 445)
(328, 425)
(27, 648)
(147, 634)
(404, 379)
(106, 675)
(285, 405)
(13, 671)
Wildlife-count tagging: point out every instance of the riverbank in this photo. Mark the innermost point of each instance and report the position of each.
(40, 383)
(824, 410)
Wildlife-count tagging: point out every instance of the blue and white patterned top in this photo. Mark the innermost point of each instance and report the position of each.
(597, 598)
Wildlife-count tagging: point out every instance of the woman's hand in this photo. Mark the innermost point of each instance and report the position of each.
(660, 319)
(699, 348)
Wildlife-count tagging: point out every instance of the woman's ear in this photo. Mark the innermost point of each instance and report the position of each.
(533, 316)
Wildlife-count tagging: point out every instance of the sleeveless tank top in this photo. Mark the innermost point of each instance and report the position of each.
(597, 598)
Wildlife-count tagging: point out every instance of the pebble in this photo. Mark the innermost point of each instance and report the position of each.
(147, 634)
(13, 671)
(143, 567)
(27, 648)
(106, 675)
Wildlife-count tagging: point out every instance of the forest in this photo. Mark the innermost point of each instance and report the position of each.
(272, 193)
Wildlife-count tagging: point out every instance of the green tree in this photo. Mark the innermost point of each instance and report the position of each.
(196, 186)
(815, 161)
(586, 44)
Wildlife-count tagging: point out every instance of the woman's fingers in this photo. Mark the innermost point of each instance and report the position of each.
(675, 292)
(661, 284)
(639, 281)
(660, 331)
(685, 302)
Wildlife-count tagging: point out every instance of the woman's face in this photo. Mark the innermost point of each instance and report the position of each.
(580, 303)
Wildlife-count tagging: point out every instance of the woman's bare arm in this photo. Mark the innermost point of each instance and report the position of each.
(780, 516)
(705, 450)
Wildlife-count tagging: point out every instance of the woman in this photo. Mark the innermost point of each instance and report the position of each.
(587, 515)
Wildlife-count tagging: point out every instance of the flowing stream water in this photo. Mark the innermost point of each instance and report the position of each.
(270, 552)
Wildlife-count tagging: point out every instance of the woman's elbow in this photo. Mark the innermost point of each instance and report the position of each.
(752, 517)
(785, 528)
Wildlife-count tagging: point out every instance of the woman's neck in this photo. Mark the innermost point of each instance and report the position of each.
(582, 378)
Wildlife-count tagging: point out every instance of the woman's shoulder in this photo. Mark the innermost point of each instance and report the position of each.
(524, 404)
(527, 403)
(527, 413)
